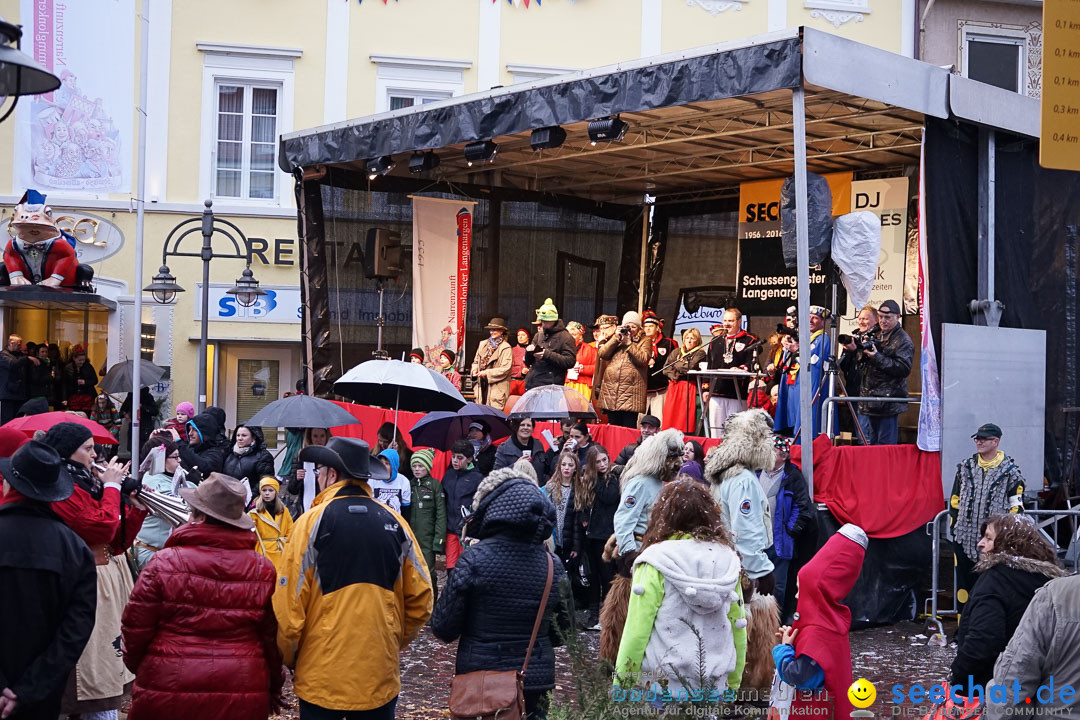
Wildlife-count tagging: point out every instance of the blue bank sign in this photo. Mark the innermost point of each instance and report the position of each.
(280, 304)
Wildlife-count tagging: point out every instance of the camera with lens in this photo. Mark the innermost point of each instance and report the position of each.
(862, 340)
(624, 330)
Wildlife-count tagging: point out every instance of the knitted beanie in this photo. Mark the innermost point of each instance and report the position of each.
(66, 437)
(424, 457)
(547, 311)
(186, 408)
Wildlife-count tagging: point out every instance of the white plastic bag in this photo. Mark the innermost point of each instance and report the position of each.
(781, 696)
(856, 249)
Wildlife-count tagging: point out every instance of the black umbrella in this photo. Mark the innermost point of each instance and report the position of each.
(302, 411)
(439, 430)
(119, 378)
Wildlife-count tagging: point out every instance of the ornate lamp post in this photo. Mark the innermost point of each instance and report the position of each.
(19, 74)
(164, 287)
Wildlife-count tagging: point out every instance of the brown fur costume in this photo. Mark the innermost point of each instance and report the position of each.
(651, 458)
(762, 622)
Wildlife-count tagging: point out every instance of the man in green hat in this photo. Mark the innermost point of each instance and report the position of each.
(987, 483)
(552, 351)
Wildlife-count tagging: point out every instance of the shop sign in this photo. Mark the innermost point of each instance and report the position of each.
(280, 304)
(1059, 140)
(95, 237)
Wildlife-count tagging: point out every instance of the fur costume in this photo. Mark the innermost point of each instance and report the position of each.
(651, 459)
(39, 254)
(748, 444)
(763, 620)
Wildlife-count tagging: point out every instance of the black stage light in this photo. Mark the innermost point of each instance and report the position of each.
(379, 166)
(546, 138)
(609, 129)
(480, 151)
(421, 162)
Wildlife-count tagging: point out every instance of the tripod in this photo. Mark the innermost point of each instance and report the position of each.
(833, 372)
(380, 322)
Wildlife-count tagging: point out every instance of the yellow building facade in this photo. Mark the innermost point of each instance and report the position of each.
(226, 79)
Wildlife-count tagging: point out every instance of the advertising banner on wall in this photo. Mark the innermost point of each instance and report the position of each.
(765, 285)
(442, 239)
(888, 199)
(78, 138)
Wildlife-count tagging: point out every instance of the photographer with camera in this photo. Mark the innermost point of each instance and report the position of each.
(884, 363)
(850, 361)
(627, 354)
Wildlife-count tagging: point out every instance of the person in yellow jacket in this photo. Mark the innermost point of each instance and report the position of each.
(273, 521)
(353, 589)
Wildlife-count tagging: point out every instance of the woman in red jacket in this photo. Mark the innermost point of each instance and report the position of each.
(199, 631)
(580, 377)
(108, 524)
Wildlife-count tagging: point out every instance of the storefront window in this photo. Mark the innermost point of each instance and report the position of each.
(66, 328)
(256, 386)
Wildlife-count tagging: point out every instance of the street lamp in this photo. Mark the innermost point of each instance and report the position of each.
(19, 74)
(164, 288)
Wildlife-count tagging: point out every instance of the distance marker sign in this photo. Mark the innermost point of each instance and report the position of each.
(1059, 144)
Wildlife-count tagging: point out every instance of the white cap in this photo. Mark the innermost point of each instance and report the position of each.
(855, 534)
(631, 318)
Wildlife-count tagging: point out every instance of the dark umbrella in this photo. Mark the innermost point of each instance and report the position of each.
(399, 385)
(302, 411)
(439, 430)
(119, 378)
(553, 402)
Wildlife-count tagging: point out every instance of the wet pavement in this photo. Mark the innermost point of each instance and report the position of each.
(885, 656)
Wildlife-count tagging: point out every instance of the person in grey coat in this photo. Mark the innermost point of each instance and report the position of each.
(1042, 656)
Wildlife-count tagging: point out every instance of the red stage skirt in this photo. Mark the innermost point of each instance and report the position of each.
(680, 406)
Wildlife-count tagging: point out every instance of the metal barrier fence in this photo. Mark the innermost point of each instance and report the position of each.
(1049, 528)
(827, 410)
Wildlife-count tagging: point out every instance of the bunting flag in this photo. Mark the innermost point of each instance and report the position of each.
(510, 2)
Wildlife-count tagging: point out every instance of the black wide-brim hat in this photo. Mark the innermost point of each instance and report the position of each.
(349, 456)
(34, 472)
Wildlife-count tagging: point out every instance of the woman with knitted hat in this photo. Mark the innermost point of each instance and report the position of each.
(552, 351)
(428, 521)
(627, 354)
(108, 524)
(447, 357)
(273, 521)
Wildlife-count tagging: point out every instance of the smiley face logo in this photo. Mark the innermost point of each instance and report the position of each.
(862, 693)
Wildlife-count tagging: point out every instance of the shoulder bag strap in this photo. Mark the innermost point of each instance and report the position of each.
(540, 612)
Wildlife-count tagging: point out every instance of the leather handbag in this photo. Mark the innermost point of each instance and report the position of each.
(497, 694)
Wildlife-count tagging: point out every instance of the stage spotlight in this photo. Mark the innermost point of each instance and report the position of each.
(421, 162)
(379, 166)
(546, 138)
(480, 151)
(610, 129)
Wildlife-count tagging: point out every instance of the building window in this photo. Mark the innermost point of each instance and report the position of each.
(247, 106)
(247, 131)
(996, 56)
(403, 82)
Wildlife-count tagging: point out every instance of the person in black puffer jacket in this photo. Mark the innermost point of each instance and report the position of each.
(205, 446)
(492, 597)
(248, 460)
(592, 523)
(1015, 561)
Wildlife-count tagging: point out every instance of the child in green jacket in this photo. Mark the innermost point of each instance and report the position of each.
(686, 597)
(428, 519)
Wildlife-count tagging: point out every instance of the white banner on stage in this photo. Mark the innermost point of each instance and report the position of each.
(78, 138)
(442, 238)
(888, 199)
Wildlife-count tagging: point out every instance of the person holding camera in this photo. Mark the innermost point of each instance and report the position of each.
(886, 363)
(867, 322)
(627, 354)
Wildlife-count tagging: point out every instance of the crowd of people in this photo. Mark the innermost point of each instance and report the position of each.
(698, 570)
(38, 378)
(631, 368)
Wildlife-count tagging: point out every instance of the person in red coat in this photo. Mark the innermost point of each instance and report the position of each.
(199, 631)
(580, 377)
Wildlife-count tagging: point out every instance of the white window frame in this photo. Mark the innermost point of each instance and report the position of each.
(417, 78)
(838, 12)
(1002, 36)
(532, 73)
(250, 65)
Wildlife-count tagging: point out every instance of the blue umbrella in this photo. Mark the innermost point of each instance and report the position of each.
(439, 430)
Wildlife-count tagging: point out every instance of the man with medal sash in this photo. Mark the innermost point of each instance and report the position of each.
(728, 352)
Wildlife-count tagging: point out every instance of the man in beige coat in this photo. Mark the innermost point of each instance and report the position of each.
(627, 354)
(492, 364)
